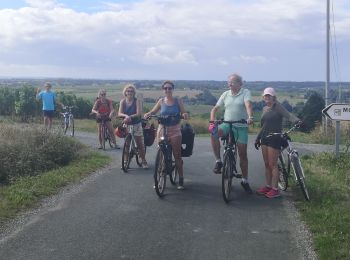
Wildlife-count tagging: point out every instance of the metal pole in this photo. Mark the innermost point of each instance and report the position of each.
(337, 137)
(327, 70)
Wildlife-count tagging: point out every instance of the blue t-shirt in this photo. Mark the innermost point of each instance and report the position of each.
(48, 98)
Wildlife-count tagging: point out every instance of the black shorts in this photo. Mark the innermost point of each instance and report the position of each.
(48, 113)
(276, 142)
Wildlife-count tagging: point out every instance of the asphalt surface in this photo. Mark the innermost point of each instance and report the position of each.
(116, 215)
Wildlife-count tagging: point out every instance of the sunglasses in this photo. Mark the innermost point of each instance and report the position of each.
(130, 91)
(168, 88)
(102, 95)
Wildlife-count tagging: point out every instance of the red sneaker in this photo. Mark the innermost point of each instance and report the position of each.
(263, 190)
(273, 194)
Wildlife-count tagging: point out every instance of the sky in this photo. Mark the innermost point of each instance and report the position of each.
(268, 40)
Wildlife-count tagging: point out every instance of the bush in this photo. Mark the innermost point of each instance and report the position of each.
(30, 151)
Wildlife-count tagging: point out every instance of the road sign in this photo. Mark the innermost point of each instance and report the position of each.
(335, 111)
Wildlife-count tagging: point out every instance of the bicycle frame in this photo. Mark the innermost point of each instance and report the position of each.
(164, 165)
(68, 120)
(229, 169)
(130, 149)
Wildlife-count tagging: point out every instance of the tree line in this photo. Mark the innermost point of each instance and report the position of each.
(21, 102)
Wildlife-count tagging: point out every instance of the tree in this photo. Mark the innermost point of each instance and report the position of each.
(25, 105)
(312, 111)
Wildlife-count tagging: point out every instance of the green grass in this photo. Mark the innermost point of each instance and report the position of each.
(27, 191)
(328, 212)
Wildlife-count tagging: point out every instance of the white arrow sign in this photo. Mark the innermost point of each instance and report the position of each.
(336, 111)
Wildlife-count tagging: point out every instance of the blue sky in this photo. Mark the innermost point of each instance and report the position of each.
(172, 39)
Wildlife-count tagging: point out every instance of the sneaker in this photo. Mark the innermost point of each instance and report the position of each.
(263, 190)
(145, 165)
(273, 194)
(246, 187)
(181, 184)
(116, 146)
(217, 168)
(100, 147)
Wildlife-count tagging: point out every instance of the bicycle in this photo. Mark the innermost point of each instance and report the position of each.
(165, 162)
(106, 135)
(229, 168)
(130, 148)
(284, 167)
(67, 120)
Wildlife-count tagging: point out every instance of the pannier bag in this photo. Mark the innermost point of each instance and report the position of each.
(149, 134)
(187, 140)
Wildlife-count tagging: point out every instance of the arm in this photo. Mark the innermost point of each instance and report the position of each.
(184, 114)
(285, 113)
(249, 108)
(213, 112)
(38, 96)
(111, 108)
(154, 110)
(94, 109)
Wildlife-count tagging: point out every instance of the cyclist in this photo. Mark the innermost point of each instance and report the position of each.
(103, 108)
(131, 109)
(49, 99)
(170, 105)
(237, 104)
(271, 122)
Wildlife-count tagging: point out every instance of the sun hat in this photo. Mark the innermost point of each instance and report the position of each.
(269, 91)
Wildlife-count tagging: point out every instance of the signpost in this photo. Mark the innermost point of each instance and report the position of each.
(338, 112)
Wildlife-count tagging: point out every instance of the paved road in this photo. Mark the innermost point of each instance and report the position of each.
(113, 215)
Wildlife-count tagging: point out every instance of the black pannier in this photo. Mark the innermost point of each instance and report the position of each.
(187, 140)
(149, 134)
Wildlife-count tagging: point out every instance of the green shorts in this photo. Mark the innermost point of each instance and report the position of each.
(240, 133)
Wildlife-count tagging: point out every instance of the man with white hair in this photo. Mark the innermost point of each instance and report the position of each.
(237, 105)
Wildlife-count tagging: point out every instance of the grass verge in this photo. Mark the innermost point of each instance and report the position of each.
(328, 212)
(27, 191)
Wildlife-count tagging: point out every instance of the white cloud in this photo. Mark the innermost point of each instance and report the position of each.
(174, 32)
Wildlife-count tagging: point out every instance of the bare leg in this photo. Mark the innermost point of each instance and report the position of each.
(268, 174)
(141, 147)
(243, 159)
(111, 132)
(272, 161)
(176, 145)
(99, 131)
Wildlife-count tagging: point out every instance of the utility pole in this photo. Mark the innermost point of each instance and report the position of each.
(325, 119)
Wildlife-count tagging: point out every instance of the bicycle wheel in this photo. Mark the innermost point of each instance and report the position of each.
(71, 126)
(299, 173)
(64, 124)
(283, 174)
(174, 173)
(227, 174)
(138, 158)
(126, 156)
(104, 136)
(160, 173)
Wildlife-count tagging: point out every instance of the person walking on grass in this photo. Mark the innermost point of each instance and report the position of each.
(49, 99)
(271, 122)
(237, 105)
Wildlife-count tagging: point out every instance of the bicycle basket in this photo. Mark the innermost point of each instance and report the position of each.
(187, 140)
(149, 134)
(121, 131)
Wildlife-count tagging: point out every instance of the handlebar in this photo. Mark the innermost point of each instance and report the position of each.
(285, 134)
(220, 121)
